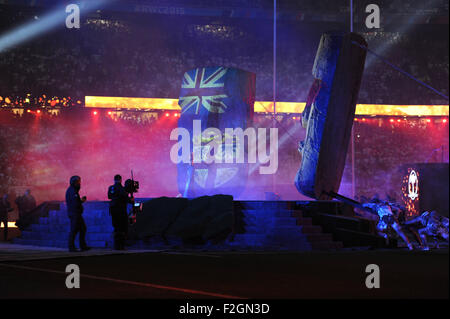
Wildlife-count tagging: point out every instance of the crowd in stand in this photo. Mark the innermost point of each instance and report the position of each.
(382, 146)
(44, 150)
(118, 58)
(40, 152)
(427, 60)
(323, 6)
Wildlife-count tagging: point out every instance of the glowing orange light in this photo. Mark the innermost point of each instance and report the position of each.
(267, 107)
(28, 111)
(38, 111)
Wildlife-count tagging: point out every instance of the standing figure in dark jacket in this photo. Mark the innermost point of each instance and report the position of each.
(75, 211)
(118, 211)
(5, 208)
(25, 203)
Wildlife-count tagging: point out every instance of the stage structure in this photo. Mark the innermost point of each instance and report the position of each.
(218, 98)
(329, 113)
(425, 188)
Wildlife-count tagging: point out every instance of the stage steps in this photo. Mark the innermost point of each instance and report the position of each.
(272, 226)
(351, 231)
(267, 225)
(53, 230)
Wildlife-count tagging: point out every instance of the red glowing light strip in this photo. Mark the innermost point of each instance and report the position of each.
(263, 107)
(130, 283)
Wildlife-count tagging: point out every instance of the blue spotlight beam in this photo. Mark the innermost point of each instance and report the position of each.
(53, 19)
(402, 71)
(403, 29)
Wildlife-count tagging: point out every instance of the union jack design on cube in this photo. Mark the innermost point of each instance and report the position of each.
(220, 97)
(203, 87)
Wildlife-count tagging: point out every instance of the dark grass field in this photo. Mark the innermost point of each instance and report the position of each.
(255, 275)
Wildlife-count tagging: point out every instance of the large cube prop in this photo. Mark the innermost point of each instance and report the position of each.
(220, 98)
(329, 113)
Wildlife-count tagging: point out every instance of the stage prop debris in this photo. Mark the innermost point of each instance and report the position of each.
(220, 98)
(329, 113)
(192, 220)
(430, 224)
(390, 217)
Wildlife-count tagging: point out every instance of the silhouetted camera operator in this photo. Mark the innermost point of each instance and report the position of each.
(120, 197)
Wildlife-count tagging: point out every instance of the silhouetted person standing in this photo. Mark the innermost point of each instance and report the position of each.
(118, 211)
(25, 203)
(75, 211)
(5, 208)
